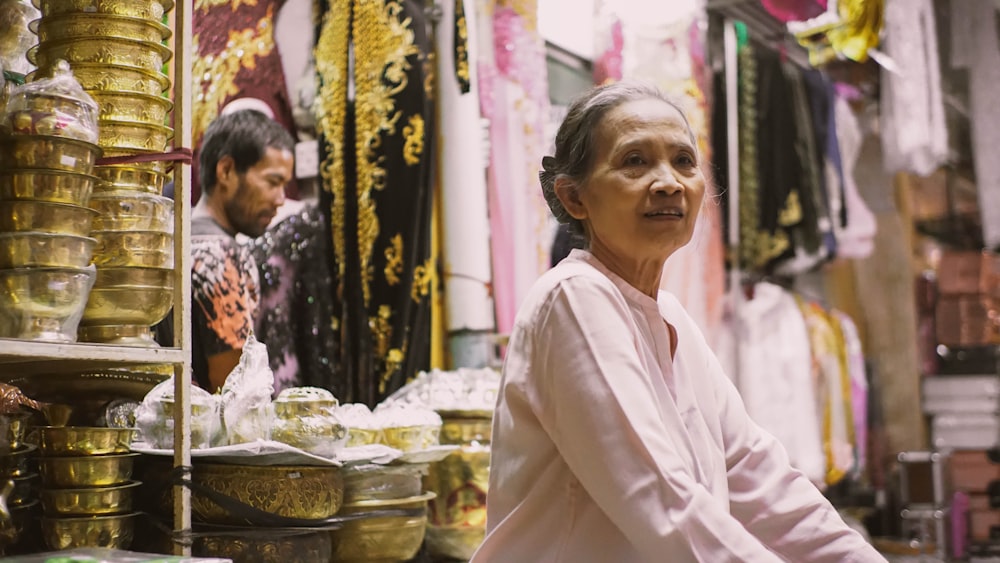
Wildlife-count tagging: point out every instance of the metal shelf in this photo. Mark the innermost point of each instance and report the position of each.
(20, 357)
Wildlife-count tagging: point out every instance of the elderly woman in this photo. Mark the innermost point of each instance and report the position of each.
(617, 437)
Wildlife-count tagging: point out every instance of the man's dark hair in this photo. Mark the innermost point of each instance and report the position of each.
(244, 135)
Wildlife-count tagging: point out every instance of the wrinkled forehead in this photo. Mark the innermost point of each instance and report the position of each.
(649, 117)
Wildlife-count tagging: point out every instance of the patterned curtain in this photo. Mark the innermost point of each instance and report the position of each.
(236, 56)
(374, 118)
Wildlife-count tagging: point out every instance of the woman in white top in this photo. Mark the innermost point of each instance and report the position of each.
(617, 437)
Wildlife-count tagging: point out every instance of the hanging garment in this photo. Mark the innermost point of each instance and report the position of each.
(858, 375)
(975, 46)
(914, 135)
(466, 241)
(856, 239)
(775, 379)
(236, 56)
(513, 91)
(376, 155)
(829, 368)
(296, 302)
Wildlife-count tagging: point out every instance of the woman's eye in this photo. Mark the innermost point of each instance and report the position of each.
(685, 160)
(634, 160)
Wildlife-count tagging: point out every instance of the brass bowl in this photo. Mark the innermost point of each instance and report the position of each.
(53, 114)
(99, 387)
(263, 545)
(146, 55)
(130, 178)
(133, 211)
(118, 335)
(410, 438)
(89, 501)
(55, 186)
(130, 296)
(363, 436)
(49, 152)
(371, 481)
(114, 532)
(381, 538)
(43, 303)
(24, 489)
(132, 107)
(145, 9)
(45, 217)
(310, 492)
(148, 249)
(19, 250)
(116, 78)
(18, 461)
(64, 441)
(131, 136)
(67, 26)
(13, 427)
(74, 472)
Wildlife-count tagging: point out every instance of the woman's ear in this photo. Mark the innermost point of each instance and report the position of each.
(568, 193)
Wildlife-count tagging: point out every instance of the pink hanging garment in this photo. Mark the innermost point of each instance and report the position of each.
(794, 10)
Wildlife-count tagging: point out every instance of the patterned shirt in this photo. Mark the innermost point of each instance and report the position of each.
(224, 294)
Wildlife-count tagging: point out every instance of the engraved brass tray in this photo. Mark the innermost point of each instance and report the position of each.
(124, 52)
(67, 26)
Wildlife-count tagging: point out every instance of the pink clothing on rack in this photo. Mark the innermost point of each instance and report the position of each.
(794, 10)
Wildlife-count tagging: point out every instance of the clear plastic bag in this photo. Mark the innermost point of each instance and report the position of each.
(52, 106)
(155, 417)
(247, 413)
(306, 417)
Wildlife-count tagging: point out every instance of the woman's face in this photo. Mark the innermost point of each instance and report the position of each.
(645, 188)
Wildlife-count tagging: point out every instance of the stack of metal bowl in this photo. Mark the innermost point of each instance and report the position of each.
(18, 470)
(116, 50)
(87, 487)
(45, 248)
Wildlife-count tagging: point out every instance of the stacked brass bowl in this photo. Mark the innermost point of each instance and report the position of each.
(87, 487)
(116, 50)
(45, 184)
(19, 471)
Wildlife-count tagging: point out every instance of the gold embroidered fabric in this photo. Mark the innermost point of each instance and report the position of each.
(375, 170)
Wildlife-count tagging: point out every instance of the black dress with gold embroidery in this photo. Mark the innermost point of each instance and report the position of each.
(376, 171)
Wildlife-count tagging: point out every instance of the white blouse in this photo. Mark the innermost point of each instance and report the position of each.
(605, 449)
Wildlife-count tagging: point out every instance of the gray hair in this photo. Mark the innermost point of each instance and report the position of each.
(575, 140)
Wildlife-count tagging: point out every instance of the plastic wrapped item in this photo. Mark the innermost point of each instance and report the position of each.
(464, 390)
(363, 428)
(55, 106)
(408, 427)
(306, 417)
(155, 417)
(15, 37)
(247, 413)
(373, 481)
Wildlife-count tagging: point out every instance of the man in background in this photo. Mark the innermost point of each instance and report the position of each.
(245, 159)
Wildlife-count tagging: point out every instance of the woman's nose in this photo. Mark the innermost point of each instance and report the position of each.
(665, 181)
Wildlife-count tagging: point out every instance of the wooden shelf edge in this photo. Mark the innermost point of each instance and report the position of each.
(40, 357)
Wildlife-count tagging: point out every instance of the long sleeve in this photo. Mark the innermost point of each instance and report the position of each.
(621, 437)
(776, 503)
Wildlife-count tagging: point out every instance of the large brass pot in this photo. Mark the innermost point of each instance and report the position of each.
(86, 471)
(115, 78)
(21, 250)
(84, 440)
(145, 9)
(146, 249)
(129, 135)
(45, 217)
(115, 532)
(132, 107)
(304, 492)
(457, 517)
(130, 296)
(68, 26)
(127, 179)
(91, 501)
(263, 545)
(122, 52)
(49, 152)
(381, 539)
